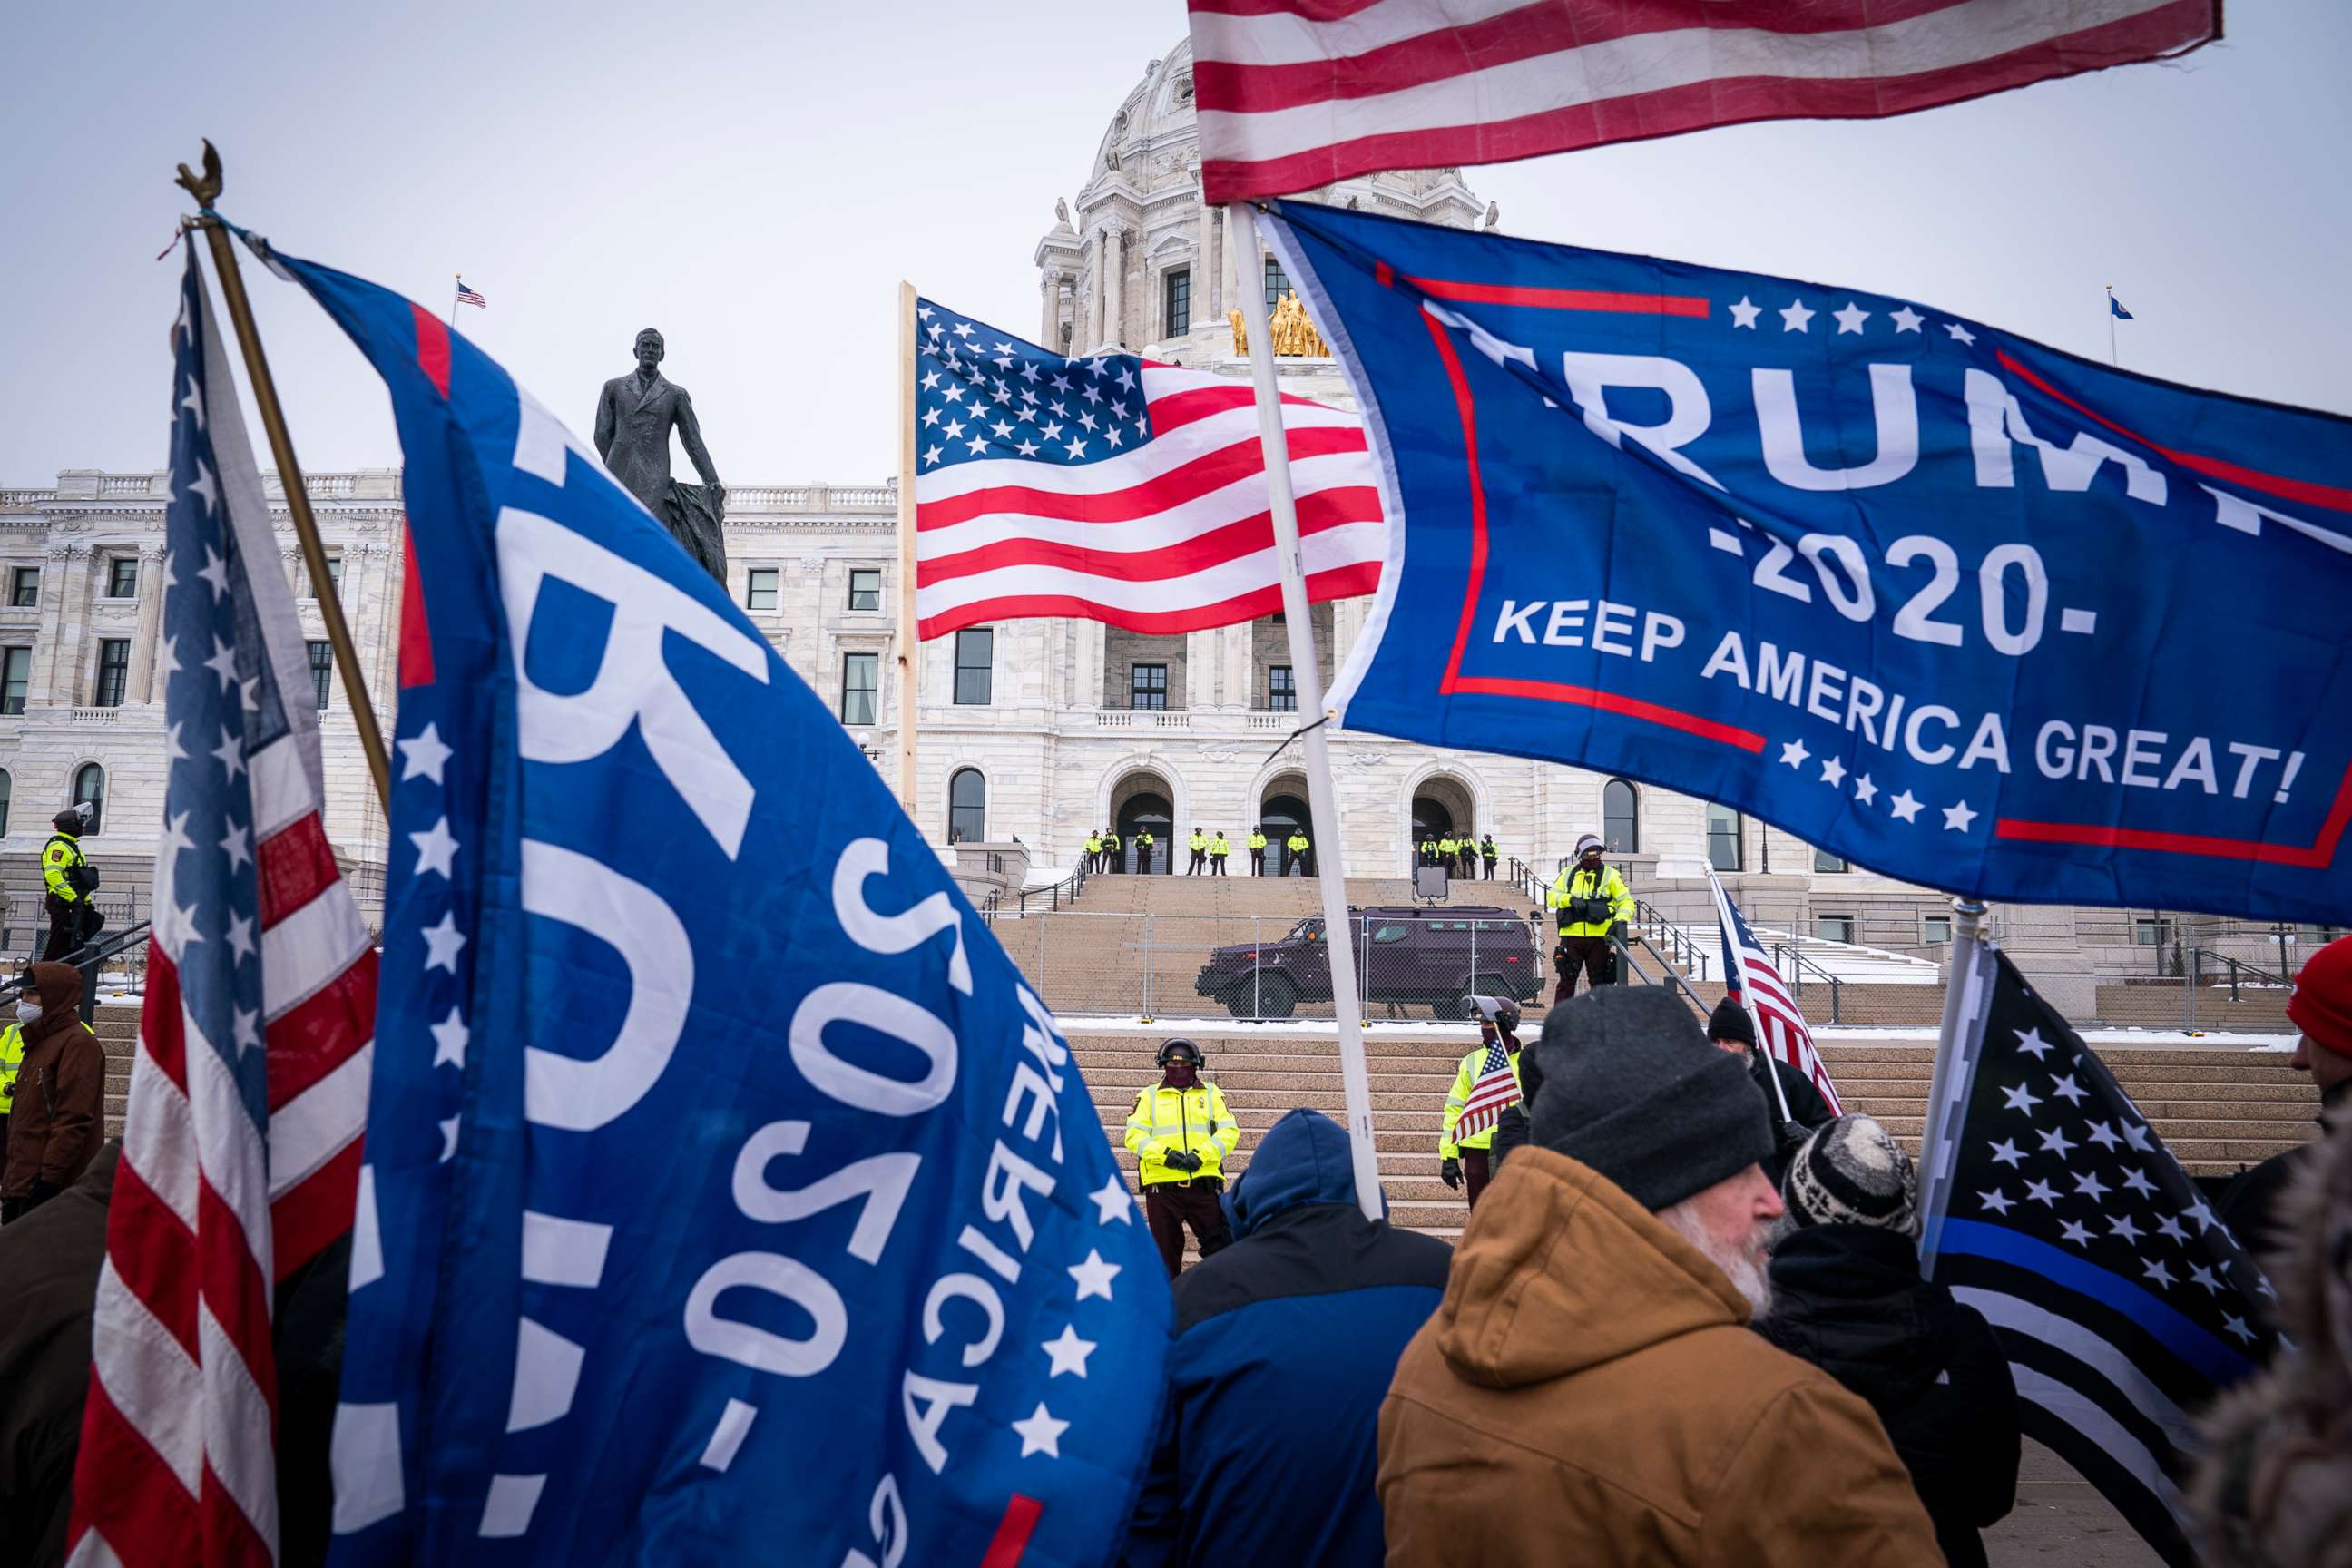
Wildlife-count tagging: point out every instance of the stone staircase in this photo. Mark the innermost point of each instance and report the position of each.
(2218, 1111)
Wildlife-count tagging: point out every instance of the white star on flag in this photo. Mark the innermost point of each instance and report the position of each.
(2030, 1043)
(1960, 334)
(1094, 1276)
(2068, 1089)
(1850, 319)
(436, 848)
(1068, 1352)
(422, 755)
(450, 1038)
(1904, 806)
(1958, 817)
(1865, 791)
(2007, 1153)
(1997, 1201)
(442, 943)
(1832, 772)
(1907, 320)
(1794, 315)
(1114, 1202)
(1744, 313)
(2020, 1098)
(1793, 752)
(1041, 1434)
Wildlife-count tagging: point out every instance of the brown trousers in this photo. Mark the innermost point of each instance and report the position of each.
(1169, 1206)
(1588, 954)
(1478, 1169)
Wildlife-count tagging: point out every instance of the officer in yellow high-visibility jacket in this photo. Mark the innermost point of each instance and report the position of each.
(1469, 1159)
(68, 882)
(1302, 859)
(12, 1060)
(1257, 852)
(1592, 901)
(1094, 852)
(1199, 845)
(1218, 848)
(1183, 1135)
(1446, 850)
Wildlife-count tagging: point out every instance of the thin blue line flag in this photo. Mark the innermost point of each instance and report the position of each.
(729, 1196)
(1957, 607)
(2117, 306)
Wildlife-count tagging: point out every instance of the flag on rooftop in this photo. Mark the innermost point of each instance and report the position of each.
(1115, 488)
(1751, 976)
(2117, 306)
(872, 1288)
(1295, 94)
(2053, 1209)
(241, 1144)
(467, 296)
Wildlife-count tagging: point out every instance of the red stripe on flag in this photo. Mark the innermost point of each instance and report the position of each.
(415, 630)
(154, 1254)
(1563, 298)
(318, 1034)
(1607, 702)
(1178, 409)
(1317, 510)
(1188, 481)
(233, 1290)
(230, 1538)
(313, 1214)
(432, 348)
(143, 1511)
(1341, 582)
(159, 1018)
(293, 866)
(1013, 1532)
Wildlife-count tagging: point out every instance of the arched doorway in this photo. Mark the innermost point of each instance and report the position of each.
(1141, 804)
(1443, 807)
(1281, 811)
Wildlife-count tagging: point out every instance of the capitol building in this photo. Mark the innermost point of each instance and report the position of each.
(1031, 733)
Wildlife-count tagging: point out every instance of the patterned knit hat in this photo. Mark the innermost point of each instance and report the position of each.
(1853, 1171)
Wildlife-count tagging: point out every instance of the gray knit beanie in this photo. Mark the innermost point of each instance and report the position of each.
(1853, 1171)
(1632, 1087)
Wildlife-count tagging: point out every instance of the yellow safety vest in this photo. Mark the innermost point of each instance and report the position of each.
(1257, 840)
(1094, 845)
(1196, 842)
(1298, 843)
(1464, 1081)
(1581, 884)
(1446, 848)
(12, 1060)
(60, 853)
(1194, 1118)
(1218, 846)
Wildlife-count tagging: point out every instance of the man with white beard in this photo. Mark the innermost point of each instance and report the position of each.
(1588, 1390)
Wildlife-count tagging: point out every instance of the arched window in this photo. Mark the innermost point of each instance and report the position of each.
(90, 786)
(8, 790)
(967, 807)
(1621, 820)
(1723, 835)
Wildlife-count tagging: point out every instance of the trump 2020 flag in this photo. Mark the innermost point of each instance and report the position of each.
(729, 1196)
(1960, 607)
(2053, 1209)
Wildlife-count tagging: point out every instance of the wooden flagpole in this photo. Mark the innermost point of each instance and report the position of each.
(1322, 797)
(206, 189)
(909, 644)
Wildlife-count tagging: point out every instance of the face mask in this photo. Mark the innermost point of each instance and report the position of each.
(1180, 1075)
(27, 1011)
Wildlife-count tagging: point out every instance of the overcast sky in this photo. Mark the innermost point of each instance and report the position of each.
(754, 179)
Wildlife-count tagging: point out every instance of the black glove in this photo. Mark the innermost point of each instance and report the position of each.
(1449, 1170)
(1183, 1159)
(44, 1190)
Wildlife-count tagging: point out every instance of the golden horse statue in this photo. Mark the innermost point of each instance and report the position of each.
(1294, 334)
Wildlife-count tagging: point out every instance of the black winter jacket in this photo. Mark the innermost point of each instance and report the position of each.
(1849, 1298)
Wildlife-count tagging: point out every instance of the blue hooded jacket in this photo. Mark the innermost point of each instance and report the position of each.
(1285, 1343)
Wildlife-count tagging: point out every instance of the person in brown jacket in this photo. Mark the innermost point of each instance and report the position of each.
(1588, 1390)
(57, 1123)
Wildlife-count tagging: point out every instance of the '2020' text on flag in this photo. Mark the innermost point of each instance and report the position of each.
(1115, 488)
(1939, 599)
(1294, 94)
(729, 1197)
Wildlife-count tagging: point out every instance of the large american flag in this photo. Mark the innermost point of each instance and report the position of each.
(1115, 488)
(249, 1094)
(1495, 1091)
(1294, 94)
(1748, 975)
(2055, 1211)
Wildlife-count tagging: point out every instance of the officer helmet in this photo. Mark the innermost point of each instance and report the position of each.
(1499, 1011)
(1180, 1046)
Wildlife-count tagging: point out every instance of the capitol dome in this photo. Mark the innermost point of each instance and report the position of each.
(1142, 264)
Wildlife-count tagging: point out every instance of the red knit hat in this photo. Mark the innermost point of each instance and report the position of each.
(2321, 1003)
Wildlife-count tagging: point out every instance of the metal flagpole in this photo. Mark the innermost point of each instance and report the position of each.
(909, 648)
(206, 190)
(1935, 1139)
(454, 290)
(1322, 798)
(2111, 324)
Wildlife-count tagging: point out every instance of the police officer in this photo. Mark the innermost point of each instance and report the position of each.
(1258, 850)
(1199, 845)
(1218, 849)
(1113, 858)
(1143, 843)
(1094, 852)
(12, 1060)
(1487, 852)
(69, 879)
(1299, 847)
(1181, 1134)
(1592, 900)
(1445, 852)
(1428, 849)
(1468, 1158)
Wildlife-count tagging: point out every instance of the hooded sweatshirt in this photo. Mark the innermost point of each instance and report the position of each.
(1590, 1391)
(54, 1129)
(1284, 1342)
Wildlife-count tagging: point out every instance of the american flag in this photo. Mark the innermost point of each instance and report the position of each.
(1748, 975)
(1294, 94)
(1495, 1091)
(1115, 488)
(467, 296)
(2056, 1211)
(248, 1093)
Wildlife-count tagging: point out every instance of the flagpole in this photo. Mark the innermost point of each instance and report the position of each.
(2111, 325)
(910, 645)
(1967, 917)
(206, 190)
(454, 290)
(1322, 797)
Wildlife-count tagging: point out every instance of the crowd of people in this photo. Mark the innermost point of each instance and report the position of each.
(1458, 856)
(1109, 853)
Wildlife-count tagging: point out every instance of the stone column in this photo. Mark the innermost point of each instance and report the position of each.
(1089, 315)
(1114, 289)
(1049, 287)
(1204, 683)
(65, 623)
(1204, 263)
(151, 614)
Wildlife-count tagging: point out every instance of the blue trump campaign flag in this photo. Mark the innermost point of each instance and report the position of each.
(728, 1193)
(1953, 605)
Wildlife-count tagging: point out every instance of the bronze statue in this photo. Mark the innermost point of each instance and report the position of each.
(634, 419)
